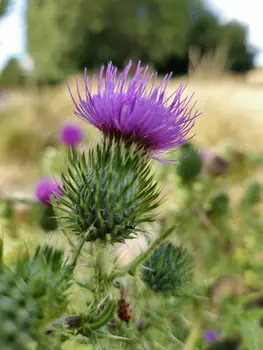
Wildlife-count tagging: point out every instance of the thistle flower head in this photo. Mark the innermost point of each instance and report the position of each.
(108, 194)
(46, 189)
(137, 109)
(169, 270)
(71, 135)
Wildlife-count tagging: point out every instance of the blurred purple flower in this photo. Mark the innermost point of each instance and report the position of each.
(213, 163)
(211, 336)
(46, 189)
(71, 135)
(127, 109)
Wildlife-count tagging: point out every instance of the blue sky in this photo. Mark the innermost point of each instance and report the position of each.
(250, 13)
(13, 33)
(13, 26)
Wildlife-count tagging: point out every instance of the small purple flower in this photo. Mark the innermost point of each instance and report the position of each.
(211, 336)
(71, 135)
(46, 189)
(137, 110)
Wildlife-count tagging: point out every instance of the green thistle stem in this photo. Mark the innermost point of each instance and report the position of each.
(1, 253)
(100, 252)
(77, 252)
(192, 338)
(164, 327)
(131, 268)
(197, 324)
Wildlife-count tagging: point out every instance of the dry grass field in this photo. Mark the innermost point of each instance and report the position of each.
(232, 109)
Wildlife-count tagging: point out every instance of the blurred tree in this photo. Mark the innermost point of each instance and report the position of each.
(12, 74)
(234, 35)
(3, 6)
(205, 32)
(64, 35)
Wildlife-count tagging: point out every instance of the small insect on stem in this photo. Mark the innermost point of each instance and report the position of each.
(124, 311)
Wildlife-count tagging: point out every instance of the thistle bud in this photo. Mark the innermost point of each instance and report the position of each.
(169, 270)
(71, 135)
(219, 205)
(111, 191)
(18, 314)
(47, 219)
(190, 164)
(252, 193)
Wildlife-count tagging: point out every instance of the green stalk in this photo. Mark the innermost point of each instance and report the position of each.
(164, 327)
(193, 337)
(131, 268)
(77, 252)
(1, 253)
(197, 325)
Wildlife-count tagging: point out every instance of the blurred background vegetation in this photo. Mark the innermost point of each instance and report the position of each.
(65, 36)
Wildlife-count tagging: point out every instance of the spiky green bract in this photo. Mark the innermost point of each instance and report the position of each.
(169, 270)
(19, 313)
(190, 163)
(109, 193)
(31, 294)
(252, 193)
(48, 278)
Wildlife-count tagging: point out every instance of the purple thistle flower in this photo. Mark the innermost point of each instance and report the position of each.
(46, 189)
(136, 109)
(71, 134)
(211, 336)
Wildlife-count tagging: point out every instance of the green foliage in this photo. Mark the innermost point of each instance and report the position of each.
(84, 33)
(169, 270)
(50, 28)
(109, 193)
(234, 35)
(252, 334)
(12, 74)
(3, 6)
(64, 36)
(205, 32)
